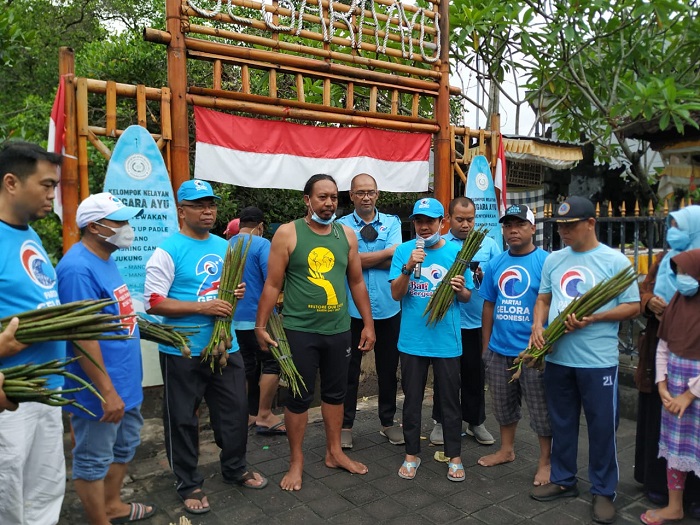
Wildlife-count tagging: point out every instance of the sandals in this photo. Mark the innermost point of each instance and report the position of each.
(245, 478)
(199, 495)
(452, 469)
(411, 467)
(137, 512)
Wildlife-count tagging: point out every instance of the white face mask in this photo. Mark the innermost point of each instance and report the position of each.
(123, 236)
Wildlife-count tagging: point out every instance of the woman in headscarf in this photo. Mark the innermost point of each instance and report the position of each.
(656, 291)
(678, 380)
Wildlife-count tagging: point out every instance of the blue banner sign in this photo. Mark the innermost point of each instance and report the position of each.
(481, 190)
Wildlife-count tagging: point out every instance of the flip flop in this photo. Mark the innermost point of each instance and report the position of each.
(274, 430)
(198, 495)
(137, 512)
(650, 518)
(452, 469)
(247, 476)
(408, 465)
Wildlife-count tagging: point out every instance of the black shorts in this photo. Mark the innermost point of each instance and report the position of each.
(328, 353)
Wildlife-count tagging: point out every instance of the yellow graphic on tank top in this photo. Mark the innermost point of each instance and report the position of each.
(321, 260)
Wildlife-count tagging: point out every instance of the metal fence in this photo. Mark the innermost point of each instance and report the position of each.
(639, 237)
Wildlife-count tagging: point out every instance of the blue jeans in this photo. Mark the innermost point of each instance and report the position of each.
(98, 445)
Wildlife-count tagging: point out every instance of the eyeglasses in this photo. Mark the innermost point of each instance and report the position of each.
(200, 206)
(363, 194)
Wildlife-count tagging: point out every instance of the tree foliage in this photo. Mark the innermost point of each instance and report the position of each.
(591, 67)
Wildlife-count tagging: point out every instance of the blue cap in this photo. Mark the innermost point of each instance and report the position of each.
(192, 190)
(429, 207)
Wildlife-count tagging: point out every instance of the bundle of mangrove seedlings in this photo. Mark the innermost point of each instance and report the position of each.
(582, 306)
(443, 297)
(27, 382)
(283, 354)
(167, 334)
(79, 320)
(231, 274)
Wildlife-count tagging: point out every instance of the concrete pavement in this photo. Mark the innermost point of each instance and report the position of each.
(490, 495)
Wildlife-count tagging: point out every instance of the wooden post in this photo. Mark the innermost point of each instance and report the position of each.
(442, 146)
(69, 168)
(177, 81)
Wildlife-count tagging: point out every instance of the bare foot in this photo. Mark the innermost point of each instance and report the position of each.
(341, 460)
(659, 515)
(497, 458)
(542, 475)
(292, 479)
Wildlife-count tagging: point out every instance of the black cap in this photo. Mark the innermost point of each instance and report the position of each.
(574, 209)
(520, 211)
(251, 214)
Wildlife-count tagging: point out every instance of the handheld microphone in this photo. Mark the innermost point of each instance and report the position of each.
(420, 245)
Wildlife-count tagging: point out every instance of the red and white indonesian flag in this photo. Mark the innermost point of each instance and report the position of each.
(57, 130)
(272, 154)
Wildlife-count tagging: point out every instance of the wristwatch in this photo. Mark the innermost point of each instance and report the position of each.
(405, 270)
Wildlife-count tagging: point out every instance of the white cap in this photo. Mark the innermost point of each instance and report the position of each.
(104, 206)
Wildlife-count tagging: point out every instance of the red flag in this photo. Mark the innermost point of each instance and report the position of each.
(57, 132)
(272, 154)
(500, 177)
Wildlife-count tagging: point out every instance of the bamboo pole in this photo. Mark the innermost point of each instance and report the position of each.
(69, 166)
(382, 81)
(163, 37)
(102, 132)
(141, 105)
(443, 172)
(272, 83)
(110, 106)
(99, 145)
(81, 97)
(177, 81)
(316, 20)
(350, 96)
(166, 129)
(122, 90)
(245, 79)
(472, 133)
(263, 99)
(216, 82)
(273, 57)
(301, 97)
(303, 114)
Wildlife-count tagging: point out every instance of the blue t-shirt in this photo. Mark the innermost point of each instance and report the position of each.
(27, 282)
(388, 229)
(443, 339)
(470, 313)
(512, 283)
(254, 275)
(197, 272)
(567, 274)
(84, 275)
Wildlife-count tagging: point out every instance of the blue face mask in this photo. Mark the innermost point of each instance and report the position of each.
(433, 239)
(686, 285)
(677, 239)
(319, 220)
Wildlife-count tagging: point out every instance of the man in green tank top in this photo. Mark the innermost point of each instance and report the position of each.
(312, 257)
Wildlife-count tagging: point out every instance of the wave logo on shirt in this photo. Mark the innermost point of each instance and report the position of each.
(434, 273)
(514, 282)
(209, 267)
(321, 260)
(576, 281)
(36, 265)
